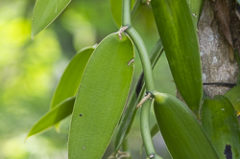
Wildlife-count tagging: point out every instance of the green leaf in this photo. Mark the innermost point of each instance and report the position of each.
(179, 38)
(154, 130)
(195, 8)
(57, 114)
(101, 98)
(45, 12)
(129, 114)
(233, 96)
(71, 77)
(116, 9)
(126, 120)
(180, 129)
(221, 125)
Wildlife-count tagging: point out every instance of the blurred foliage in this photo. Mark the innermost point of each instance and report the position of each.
(30, 69)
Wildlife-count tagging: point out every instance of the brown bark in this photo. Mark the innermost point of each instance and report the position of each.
(215, 51)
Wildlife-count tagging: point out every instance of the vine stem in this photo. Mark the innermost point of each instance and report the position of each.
(136, 38)
(148, 76)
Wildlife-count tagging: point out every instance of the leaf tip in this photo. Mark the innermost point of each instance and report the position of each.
(27, 137)
(34, 30)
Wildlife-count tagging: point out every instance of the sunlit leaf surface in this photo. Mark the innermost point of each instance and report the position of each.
(138, 92)
(101, 98)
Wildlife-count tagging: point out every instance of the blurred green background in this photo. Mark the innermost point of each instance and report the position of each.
(31, 68)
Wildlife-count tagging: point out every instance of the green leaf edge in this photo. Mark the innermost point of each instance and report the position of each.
(68, 103)
(232, 97)
(95, 47)
(33, 34)
(66, 68)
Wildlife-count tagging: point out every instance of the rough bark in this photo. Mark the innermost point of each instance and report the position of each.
(215, 54)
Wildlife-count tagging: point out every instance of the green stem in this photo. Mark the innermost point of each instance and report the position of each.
(146, 64)
(157, 52)
(125, 146)
(138, 43)
(145, 128)
(128, 117)
(148, 76)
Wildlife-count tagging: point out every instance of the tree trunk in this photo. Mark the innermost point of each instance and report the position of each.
(219, 71)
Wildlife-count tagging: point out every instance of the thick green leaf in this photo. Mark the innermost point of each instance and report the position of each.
(221, 125)
(57, 114)
(71, 77)
(101, 98)
(181, 131)
(179, 38)
(128, 116)
(45, 12)
(233, 96)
